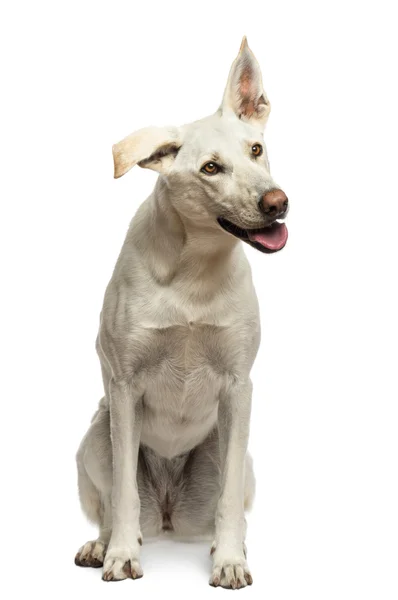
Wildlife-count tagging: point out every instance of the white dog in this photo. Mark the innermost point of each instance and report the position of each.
(179, 331)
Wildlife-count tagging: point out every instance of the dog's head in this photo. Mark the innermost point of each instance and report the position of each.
(217, 168)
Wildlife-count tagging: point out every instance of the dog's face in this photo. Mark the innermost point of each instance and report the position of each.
(217, 168)
(221, 176)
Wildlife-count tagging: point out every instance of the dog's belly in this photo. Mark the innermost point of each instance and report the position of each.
(183, 385)
(170, 431)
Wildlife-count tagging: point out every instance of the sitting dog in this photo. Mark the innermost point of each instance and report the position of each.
(179, 331)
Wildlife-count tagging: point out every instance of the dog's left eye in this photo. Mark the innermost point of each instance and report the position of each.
(210, 168)
(257, 150)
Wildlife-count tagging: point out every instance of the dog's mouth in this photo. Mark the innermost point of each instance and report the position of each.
(267, 239)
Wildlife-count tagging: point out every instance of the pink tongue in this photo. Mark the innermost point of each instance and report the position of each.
(273, 238)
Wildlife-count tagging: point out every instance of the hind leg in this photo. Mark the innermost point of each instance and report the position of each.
(92, 553)
(195, 497)
(94, 464)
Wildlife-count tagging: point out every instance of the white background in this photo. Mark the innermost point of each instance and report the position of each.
(76, 78)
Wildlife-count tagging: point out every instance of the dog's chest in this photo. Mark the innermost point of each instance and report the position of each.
(185, 369)
(185, 360)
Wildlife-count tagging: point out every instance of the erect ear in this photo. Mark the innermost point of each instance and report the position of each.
(152, 148)
(244, 93)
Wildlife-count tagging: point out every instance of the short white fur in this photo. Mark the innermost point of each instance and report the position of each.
(179, 332)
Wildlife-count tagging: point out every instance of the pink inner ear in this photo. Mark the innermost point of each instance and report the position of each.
(247, 93)
(245, 83)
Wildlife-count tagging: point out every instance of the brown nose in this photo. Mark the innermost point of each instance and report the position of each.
(274, 203)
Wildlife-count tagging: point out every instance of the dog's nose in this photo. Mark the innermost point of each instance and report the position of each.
(274, 203)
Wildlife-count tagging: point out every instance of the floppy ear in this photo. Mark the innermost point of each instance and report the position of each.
(244, 93)
(152, 148)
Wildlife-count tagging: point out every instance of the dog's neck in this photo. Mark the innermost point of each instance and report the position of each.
(176, 248)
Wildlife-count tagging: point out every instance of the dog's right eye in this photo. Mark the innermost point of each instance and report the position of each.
(210, 168)
(257, 150)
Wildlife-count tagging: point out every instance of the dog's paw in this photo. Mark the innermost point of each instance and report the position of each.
(214, 545)
(91, 554)
(230, 572)
(121, 563)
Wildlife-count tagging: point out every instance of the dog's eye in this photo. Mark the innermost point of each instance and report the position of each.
(210, 168)
(257, 150)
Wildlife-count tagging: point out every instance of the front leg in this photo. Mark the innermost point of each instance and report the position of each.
(122, 559)
(230, 568)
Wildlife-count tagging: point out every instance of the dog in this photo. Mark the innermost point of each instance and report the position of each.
(179, 331)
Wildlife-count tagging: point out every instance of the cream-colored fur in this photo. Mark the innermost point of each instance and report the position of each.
(179, 331)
